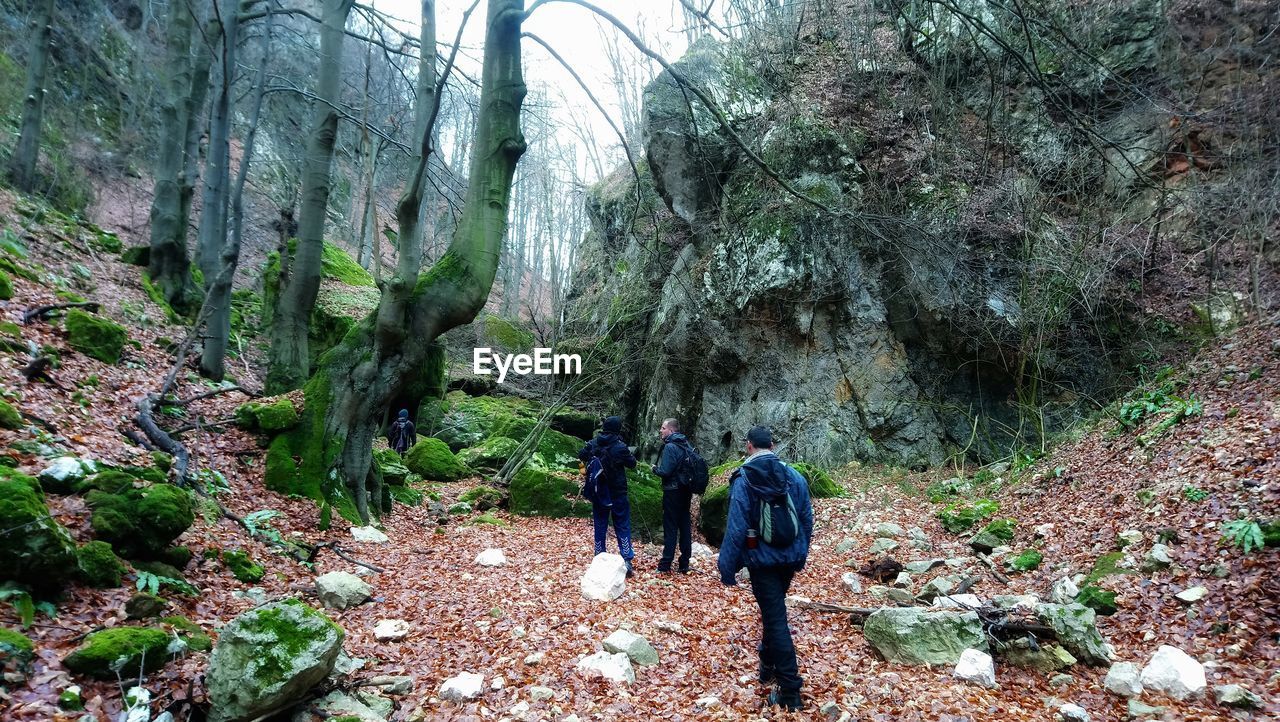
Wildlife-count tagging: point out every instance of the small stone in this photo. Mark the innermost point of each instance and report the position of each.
(498, 682)
(708, 701)
(611, 667)
(851, 582)
(902, 581)
(846, 545)
(1157, 558)
(1138, 710)
(1234, 695)
(462, 687)
(369, 534)
(1064, 591)
(1015, 601)
(636, 648)
(393, 684)
(341, 590)
(390, 630)
(977, 667)
(1043, 531)
(999, 468)
(519, 709)
(1129, 536)
(540, 694)
(880, 546)
(922, 567)
(606, 578)
(958, 601)
(888, 530)
(1124, 679)
(830, 709)
(698, 550)
(1192, 595)
(1072, 713)
(535, 658)
(915, 533)
(1173, 672)
(460, 507)
(878, 591)
(665, 625)
(1061, 680)
(491, 558)
(70, 699)
(901, 596)
(936, 587)
(985, 542)
(144, 606)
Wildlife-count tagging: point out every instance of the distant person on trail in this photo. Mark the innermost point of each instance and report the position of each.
(608, 475)
(402, 434)
(770, 525)
(677, 470)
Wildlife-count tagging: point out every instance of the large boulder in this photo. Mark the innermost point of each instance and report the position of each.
(1173, 672)
(1076, 628)
(431, 459)
(268, 658)
(123, 652)
(340, 590)
(35, 550)
(915, 636)
(141, 522)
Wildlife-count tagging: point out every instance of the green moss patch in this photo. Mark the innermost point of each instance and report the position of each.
(122, 651)
(821, 485)
(16, 650)
(962, 515)
(243, 567)
(95, 337)
(490, 454)
(536, 492)
(431, 459)
(1027, 560)
(483, 498)
(6, 286)
(141, 522)
(98, 565)
(468, 420)
(190, 633)
(136, 256)
(1001, 529)
(713, 514)
(1100, 600)
(35, 549)
(275, 414)
(9, 416)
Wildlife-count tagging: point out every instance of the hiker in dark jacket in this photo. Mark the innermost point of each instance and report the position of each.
(676, 498)
(615, 458)
(402, 434)
(764, 476)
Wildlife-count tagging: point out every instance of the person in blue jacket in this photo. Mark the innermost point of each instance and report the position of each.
(615, 459)
(763, 476)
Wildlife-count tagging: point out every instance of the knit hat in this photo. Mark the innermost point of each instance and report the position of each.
(760, 437)
(612, 424)
(404, 413)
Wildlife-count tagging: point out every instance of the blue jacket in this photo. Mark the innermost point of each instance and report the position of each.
(611, 448)
(673, 452)
(764, 476)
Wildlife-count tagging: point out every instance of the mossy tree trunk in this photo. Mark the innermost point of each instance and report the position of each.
(289, 356)
(389, 352)
(22, 164)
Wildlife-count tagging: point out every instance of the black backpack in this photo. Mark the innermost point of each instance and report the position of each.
(776, 519)
(691, 472)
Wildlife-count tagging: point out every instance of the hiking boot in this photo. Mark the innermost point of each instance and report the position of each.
(766, 674)
(664, 568)
(790, 701)
(630, 571)
(684, 569)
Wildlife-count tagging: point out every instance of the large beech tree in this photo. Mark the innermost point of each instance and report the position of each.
(389, 354)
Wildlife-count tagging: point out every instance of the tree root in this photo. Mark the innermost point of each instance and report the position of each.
(37, 312)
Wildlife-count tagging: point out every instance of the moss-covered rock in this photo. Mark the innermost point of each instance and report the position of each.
(16, 649)
(468, 420)
(821, 485)
(1098, 599)
(111, 481)
(406, 495)
(141, 522)
(9, 416)
(275, 414)
(158, 568)
(1027, 560)
(6, 286)
(431, 459)
(191, 634)
(391, 466)
(136, 256)
(483, 498)
(35, 549)
(537, 492)
(243, 567)
(99, 566)
(1001, 529)
(713, 513)
(122, 651)
(575, 423)
(554, 451)
(490, 454)
(95, 337)
(177, 557)
(145, 605)
(644, 492)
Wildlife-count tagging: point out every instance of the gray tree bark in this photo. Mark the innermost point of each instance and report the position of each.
(22, 164)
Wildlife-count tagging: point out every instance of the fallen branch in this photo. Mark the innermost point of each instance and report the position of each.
(37, 312)
(214, 392)
(161, 439)
(857, 615)
(138, 439)
(315, 550)
(38, 370)
(992, 565)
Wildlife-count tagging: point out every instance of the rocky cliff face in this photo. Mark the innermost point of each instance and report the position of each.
(932, 250)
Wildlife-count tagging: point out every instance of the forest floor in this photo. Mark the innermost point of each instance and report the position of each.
(469, 618)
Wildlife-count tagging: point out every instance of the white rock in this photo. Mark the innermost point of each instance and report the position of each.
(538, 694)
(1044, 531)
(390, 630)
(340, 590)
(958, 601)
(519, 709)
(668, 626)
(498, 683)
(698, 550)
(1173, 672)
(637, 648)
(462, 687)
(977, 667)
(1072, 713)
(1064, 591)
(1234, 695)
(66, 469)
(1124, 679)
(1130, 536)
(852, 582)
(1158, 557)
(535, 658)
(137, 705)
(606, 578)
(612, 667)
(888, 530)
(369, 534)
(393, 683)
(902, 581)
(708, 701)
(1192, 595)
(491, 558)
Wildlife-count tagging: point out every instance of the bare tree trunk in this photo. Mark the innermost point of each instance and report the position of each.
(385, 356)
(22, 164)
(289, 357)
(217, 172)
(218, 329)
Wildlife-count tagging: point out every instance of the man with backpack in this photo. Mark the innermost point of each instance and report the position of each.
(683, 473)
(606, 486)
(402, 434)
(769, 528)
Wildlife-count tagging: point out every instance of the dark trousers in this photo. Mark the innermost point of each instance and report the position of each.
(621, 513)
(676, 523)
(777, 652)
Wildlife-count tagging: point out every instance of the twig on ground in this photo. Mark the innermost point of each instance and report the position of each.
(37, 312)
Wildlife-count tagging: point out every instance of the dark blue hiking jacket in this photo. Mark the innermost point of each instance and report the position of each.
(615, 457)
(673, 451)
(766, 477)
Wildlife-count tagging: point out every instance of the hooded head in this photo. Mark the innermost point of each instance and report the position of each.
(612, 425)
(404, 414)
